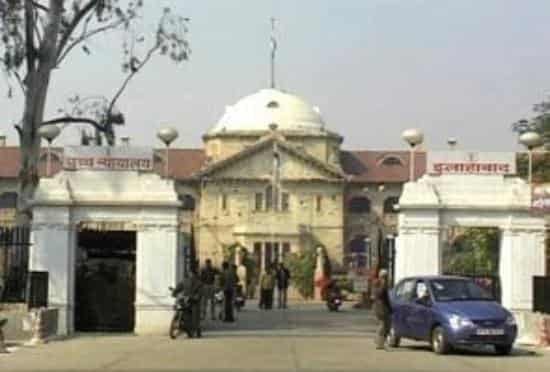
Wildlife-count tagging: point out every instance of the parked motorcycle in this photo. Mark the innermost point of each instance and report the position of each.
(334, 299)
(240, 299)
(218, 299)
(182, 321)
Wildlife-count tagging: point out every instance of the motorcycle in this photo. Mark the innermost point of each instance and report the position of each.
(182, 319)
(334, 300)
(219, 301)
(239, 298)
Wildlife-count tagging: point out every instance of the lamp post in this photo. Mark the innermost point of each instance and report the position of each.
(530, 140)
(391, 256)
(368, 253)
(167, 135)
(452, 141)
(49, 133)
(413, 137)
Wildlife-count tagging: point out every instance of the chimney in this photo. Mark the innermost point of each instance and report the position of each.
(2, 140)
(125, 141)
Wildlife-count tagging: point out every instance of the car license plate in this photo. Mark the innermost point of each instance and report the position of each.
(489, 332)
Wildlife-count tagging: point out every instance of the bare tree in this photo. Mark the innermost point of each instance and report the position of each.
(37, 36)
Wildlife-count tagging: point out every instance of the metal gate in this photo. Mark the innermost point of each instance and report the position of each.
(14, 260)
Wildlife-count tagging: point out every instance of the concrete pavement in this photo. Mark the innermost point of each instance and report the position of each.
(305, 337)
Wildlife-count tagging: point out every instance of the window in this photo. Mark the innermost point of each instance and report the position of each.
(390, 204)
(391, 160)
(318, 203)
(404, 290)
(268, 198)
(188, 202)
(286, 249)
(359, 204)
(285, 201)
(8, 200)
(224, 202)
(259, 201)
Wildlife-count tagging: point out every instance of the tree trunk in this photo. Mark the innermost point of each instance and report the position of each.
(38, 80)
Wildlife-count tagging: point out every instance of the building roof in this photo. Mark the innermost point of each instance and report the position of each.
(381, 166)
(258, 111)
(360, 166)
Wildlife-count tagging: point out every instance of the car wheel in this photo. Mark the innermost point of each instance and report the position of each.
(393, 339)
(440, 344)
(503, 349)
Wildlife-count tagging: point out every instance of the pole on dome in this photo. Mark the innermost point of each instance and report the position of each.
(273, 50)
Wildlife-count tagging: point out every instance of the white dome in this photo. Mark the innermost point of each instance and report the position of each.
(270, 106)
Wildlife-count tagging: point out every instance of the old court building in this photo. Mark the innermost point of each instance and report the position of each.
(271, 175)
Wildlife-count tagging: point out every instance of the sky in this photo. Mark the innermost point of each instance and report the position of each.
(463, 68)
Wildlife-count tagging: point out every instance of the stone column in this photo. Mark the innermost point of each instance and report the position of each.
(522, 256)
(319, 275)
(53, 250)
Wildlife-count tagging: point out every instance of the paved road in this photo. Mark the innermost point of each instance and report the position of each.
(303, 338)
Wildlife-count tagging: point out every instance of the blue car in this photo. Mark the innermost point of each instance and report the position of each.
(449, 311)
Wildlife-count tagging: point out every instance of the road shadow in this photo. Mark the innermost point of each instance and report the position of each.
(473, 351)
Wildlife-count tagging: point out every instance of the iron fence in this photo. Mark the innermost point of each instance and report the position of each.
(14, 258)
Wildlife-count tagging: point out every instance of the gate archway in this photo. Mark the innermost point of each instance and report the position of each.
(434, 205)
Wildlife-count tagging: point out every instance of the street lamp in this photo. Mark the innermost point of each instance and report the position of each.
(413, 137)
(49, 133)
(452, 141)
(167, 135)
(530, 140)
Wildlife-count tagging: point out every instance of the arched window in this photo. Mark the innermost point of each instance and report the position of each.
(8, 200)
(188, 202)
(391, 160)
(359, 204)
(390, 204)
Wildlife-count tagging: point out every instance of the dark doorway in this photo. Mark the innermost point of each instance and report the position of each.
(105, 281)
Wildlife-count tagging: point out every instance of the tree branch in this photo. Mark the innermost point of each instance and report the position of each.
(20, 81)
(37, 5)
(74, 120)
(76, 20)
(134, 70)
(85, 36)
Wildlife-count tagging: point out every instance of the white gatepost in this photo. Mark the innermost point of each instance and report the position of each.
(52, 250)
(522, 256)
(156, 270)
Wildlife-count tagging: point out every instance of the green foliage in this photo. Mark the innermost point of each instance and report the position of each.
(302, 269)
(541, 166)
(540, 123)
(475, 252)
(343, 282)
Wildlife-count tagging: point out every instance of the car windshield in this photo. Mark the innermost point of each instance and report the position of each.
(458, 290)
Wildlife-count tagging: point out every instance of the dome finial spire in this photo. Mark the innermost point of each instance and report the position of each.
(273, 50)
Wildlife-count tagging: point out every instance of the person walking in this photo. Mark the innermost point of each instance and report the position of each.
(267, 284)
(382, 309)
(208, 277)
(283, 278)
(229, 281)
